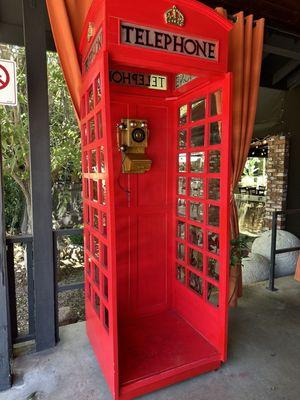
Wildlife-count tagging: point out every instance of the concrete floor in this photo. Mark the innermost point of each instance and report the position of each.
(264, 358)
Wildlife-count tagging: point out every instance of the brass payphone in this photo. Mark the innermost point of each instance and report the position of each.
(133, 137)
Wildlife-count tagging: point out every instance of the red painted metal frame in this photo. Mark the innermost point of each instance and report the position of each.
(149, 329)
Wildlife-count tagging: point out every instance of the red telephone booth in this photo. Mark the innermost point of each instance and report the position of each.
(155, 117)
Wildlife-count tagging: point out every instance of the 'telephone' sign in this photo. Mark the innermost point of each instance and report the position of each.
(150, 81)
(167, 41)
(8, 83)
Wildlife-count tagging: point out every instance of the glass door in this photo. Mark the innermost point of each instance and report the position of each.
(202, 210)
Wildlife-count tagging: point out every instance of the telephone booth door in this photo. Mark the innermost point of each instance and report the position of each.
(202, 214)
(155, 123)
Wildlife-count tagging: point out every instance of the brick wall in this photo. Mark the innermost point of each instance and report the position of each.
(277, 172)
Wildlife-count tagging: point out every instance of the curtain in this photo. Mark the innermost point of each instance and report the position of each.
(67, 18)
(245, 57)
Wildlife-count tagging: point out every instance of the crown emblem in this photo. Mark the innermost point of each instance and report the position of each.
(174, 16)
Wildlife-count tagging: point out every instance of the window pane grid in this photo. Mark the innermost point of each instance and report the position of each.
(198, 194)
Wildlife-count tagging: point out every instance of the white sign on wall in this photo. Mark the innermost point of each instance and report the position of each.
(8, 83)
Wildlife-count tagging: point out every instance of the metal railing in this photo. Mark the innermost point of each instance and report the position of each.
(27, 242)
(275, 251)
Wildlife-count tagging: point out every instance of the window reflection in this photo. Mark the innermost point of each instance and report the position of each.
(198, 110)
(197, 136)
(197, 162)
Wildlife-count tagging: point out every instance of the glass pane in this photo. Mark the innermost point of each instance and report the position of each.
(100, 132)
(213, 215)
(88, 263)
(180, 251)
(94, 161)
(92, 130)
(197, 162)
(213, 268)
(180, 273)
(95, 218)
(95, 190)
(104, 224)
(196, 211)
(198, 110)
(103, 192)
(96, 275)
(84, 135)
(183, 115)
(86, 214)
(216, 103)
(182, 185)
(213, 242)
(102, 163)
(215, 132)
(85, 162)
(103, 255)
(180, 229)
(182, 139)
(106, 318)
(182, 162)
(214, 189)
(196, 187)
(91, 98)
(98, 88)
(181, 207)
(105, 286)
(195, 283)
(87, 240)
(196, 235)
(196, 259)
(214, 161)
(96, 247)
(197, 136)
(213, 294)
(97, 304)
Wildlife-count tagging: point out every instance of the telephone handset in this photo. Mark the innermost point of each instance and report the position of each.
(133, 137)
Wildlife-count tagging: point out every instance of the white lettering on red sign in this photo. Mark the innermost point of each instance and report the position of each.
(167, 41)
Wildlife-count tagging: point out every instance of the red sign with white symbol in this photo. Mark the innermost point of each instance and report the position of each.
(8, 84)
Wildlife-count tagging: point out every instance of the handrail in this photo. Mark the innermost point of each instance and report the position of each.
(27, 240)
(275, 251)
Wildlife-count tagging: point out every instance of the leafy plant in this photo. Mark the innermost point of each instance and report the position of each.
(64, 134)
(238, 250)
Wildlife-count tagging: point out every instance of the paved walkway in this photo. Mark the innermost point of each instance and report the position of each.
(264, 358)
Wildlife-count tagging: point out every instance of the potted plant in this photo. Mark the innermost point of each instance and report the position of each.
(238, 250)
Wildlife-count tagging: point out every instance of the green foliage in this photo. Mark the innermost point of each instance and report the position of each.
(64, 132)
(13, 204)
(238, 250)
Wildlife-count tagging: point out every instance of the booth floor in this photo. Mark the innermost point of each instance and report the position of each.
(264, 358)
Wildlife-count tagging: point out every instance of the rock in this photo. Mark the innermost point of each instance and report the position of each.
(255, 268)
(66, 316)
(285, 263)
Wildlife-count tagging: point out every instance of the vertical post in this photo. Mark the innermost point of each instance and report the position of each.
(30, 280)
(273, 252)
(55, 273)
(36, 62)
(12, 290)
(5, 338)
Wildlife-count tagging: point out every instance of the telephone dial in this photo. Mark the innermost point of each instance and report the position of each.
(133, 137)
